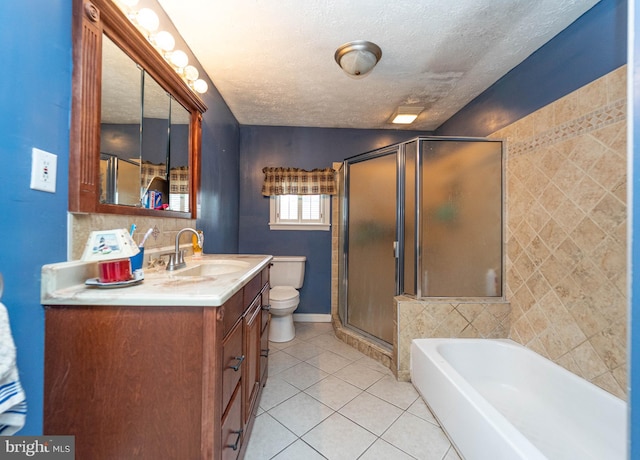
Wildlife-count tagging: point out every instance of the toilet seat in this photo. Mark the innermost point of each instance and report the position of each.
(282, 297)
(283, 293)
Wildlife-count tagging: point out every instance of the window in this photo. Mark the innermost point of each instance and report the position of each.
(300, 212)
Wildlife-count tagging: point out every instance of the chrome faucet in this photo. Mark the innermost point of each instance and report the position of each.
(176, 260)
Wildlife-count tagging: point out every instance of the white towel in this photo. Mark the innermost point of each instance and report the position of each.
(13, 405)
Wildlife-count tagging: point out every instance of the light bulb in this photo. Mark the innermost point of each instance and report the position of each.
(164, 40)
(200, 86)
(179, 59)
(127, 5)
(191, 73)
(148, 19)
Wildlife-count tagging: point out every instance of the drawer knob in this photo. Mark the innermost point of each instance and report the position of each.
(234, 446)
(237, 366)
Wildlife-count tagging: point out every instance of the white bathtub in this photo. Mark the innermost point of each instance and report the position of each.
(499, 400)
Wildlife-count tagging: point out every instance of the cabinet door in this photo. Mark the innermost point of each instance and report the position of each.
(232, 362)
(251, 374)
(232, 428)
(264, 338)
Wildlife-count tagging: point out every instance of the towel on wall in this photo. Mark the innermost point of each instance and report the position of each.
(13, 405)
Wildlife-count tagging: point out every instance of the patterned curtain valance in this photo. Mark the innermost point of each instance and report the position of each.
(294, 181)
(178, 176)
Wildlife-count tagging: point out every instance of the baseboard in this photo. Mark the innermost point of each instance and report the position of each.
(312, 317)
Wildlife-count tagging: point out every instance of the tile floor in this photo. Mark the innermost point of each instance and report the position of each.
(325, 399)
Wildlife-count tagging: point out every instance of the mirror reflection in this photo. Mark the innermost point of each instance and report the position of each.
(179, 159)
(121, 120)
(144, 138)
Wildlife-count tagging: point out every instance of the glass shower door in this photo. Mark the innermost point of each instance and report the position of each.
(461, 214)
(371, 262)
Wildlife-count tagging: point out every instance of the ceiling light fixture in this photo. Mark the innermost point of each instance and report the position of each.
(406, 115)
(358, 58)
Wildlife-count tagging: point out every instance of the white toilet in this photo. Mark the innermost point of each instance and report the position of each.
(286, 276)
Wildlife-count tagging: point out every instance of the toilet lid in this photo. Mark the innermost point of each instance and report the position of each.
(282, 293)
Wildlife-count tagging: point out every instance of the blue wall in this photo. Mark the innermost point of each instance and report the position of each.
(219, 188)
(306, 148)
(35, 101)
(594, 45)
(234, 215)
(36, 105)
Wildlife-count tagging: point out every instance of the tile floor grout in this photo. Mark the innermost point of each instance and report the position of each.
(326, 400)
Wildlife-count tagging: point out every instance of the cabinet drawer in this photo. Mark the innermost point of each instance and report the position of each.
(232, 359)
(232, 430)
(233, 310)
(252, 289)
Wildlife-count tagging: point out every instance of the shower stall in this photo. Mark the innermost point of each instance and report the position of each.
(423, 219)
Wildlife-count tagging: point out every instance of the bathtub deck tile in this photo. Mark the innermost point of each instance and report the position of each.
(356, 411)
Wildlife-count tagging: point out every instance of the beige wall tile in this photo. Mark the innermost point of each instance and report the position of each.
(565, 247)
(566, 274)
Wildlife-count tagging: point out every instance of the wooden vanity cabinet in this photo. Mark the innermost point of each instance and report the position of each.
(156, 382)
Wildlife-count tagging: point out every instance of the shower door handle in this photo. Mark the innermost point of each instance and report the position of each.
(396, 250)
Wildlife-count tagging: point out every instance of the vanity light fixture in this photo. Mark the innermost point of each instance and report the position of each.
(128, 3)
(191, 73)
(147, 22)
(200, 86)
(179, 59)
(164, 41)
(358, 58)
(127, 6)
(405, 115)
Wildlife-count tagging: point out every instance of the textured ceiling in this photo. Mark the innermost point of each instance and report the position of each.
(272, 60)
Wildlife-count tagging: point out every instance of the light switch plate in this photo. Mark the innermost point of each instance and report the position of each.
(43, 170)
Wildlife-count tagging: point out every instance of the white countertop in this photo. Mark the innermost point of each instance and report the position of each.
(64, 284)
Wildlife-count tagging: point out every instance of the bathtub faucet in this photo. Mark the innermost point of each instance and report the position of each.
(176, 260)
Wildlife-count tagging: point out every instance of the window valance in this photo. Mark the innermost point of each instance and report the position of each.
(178, 176)
(294, 181)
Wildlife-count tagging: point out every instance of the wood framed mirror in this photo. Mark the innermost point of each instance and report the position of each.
(123, 147)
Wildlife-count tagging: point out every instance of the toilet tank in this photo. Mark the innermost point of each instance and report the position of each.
(287, 271)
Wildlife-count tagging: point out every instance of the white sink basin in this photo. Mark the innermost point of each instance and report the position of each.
(214, 268)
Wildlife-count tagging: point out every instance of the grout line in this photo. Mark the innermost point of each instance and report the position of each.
(334, 411)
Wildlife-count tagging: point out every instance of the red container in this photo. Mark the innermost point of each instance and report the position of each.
(112, 271)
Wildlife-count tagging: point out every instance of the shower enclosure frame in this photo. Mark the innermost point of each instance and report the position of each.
(400, 247)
